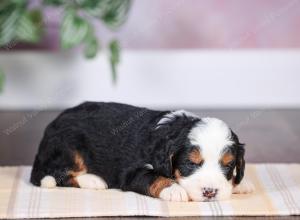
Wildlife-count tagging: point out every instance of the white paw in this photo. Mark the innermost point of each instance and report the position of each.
(174, 193)
(91, 181)
(244, 187)
(48, 182)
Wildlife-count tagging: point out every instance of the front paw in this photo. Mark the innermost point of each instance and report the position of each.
(175, 193)
(91, 181)
(244, 187)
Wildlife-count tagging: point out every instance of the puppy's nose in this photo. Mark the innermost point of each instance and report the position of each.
(209, 192)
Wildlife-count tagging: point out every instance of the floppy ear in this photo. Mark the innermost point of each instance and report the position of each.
(240, 164)
(165, 155)
(170, 138)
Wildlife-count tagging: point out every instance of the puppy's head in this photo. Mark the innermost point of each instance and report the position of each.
(211, 162)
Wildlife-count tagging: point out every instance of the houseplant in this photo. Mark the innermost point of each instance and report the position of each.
(21, 23)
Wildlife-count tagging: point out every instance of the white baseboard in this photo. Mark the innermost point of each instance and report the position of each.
(174, 78)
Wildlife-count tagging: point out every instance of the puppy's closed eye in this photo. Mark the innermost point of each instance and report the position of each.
(192, 165)
(227, 159)
(195, 157)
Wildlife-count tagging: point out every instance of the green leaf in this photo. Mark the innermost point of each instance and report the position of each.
(74, 29)
(18, 23)
(54, 2)
(94, 8)
(112, 12)
(91, 47)
(2, 78)
(88, 4)
(9, 17)
(116, 13)
(5, 4)
(30, 27)
(36, 17)
(114, 49)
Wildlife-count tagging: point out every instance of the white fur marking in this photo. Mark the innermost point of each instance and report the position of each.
(149, 166)
(211, 135)
(91, 181)
(246, 186)
(174, 193)
(48, 182)
(172, 115)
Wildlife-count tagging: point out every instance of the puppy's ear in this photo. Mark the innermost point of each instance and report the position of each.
(169, 138)
(240, 164)
(240, 161)
(166, 155)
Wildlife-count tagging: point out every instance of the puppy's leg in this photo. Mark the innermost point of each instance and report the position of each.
(90, 181)
(246, 186)
(175, 193)
(146, 181)
(57, 178)
(48, 182)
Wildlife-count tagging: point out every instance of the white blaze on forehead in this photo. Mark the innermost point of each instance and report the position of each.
(212, 135)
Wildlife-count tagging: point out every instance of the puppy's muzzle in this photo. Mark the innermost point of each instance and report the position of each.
(209, 193)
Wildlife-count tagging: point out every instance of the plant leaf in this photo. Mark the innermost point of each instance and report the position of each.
(112, 12)
(94, 8)
(91, 47)
(116, 13)
(54, 2)
(88, 4)
(30, 27)
(74, 29)
(5, 4)
(114, 49)
(9, 17)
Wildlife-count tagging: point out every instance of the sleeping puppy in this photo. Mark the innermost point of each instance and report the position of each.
(175, 156)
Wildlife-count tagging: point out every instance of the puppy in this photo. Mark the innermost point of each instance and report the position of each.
(172, 155)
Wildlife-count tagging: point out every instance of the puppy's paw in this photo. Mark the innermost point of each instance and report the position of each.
(244, 187)
(48, 182)
(174, 193)
(91, 181)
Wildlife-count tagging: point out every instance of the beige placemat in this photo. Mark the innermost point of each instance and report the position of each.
(277, 193)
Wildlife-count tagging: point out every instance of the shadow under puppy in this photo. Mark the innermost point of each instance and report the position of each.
(172, 155)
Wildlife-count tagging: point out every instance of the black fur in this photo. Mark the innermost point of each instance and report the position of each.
(239, 162)
(116, 141)
(182, 162)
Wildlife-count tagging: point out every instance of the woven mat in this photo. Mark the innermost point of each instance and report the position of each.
(277, 193)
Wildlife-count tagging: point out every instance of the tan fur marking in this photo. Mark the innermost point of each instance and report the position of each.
(158, 185)
(227, 158)
(73, 182)
(195, 156)
(79, 162)
(177, 174)
(79, 169)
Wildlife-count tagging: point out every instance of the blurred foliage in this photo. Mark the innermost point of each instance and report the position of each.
(18, 23)
(114, 48)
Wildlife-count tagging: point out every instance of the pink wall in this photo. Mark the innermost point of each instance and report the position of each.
(213, 24)
(155, 24)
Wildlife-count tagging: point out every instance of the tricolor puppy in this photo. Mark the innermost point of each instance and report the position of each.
(175, 156)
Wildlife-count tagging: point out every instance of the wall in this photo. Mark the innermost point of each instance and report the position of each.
(175, 78)
(173, 24)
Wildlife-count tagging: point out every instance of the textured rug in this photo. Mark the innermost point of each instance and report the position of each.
(277, 193)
